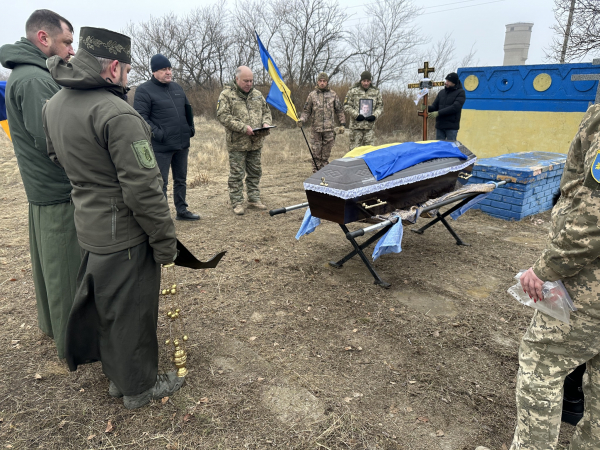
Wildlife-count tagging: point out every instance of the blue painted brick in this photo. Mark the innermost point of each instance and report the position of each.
(512, 200)
(522, 194)
(495, 196)
(502, 213)
(500, 205)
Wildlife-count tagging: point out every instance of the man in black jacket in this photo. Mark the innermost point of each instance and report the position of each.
(446, 109)
(163, 104)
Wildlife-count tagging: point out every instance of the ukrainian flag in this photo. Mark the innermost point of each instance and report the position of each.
(3, 118)
(279, 95)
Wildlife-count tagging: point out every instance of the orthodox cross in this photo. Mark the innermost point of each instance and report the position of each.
(590, 77)
(425, 70)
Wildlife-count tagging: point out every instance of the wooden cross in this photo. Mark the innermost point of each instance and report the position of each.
(425, 70)
(590, 77)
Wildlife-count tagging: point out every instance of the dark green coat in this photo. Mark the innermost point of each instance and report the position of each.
(104, 146)
(28, 88)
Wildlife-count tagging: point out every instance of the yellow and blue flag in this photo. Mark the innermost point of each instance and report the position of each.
(3, 117)
(279, 95)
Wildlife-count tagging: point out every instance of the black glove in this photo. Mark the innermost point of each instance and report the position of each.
(192, 131)
(360, 118)
(371, 118)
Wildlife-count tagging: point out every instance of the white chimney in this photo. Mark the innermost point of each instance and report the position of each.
(516, 43)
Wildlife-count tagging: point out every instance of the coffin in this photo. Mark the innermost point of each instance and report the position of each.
(345, 190)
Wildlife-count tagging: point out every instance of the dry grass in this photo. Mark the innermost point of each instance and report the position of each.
(9, 170)
(399, 118)
(286, 352)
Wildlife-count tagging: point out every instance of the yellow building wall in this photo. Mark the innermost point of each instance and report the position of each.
(494, 133)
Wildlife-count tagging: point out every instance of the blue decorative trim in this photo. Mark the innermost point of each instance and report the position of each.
(385, 185)
(508, 104)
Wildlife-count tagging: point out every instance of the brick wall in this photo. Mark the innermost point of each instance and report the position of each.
(533, 178)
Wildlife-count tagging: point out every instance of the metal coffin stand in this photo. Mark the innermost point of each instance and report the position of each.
(347, 176)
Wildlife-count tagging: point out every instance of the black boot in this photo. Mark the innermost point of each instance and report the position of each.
(573, 404)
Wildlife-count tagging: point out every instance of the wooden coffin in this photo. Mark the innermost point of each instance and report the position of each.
(345, 190)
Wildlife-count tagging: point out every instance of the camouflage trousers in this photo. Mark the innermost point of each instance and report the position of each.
(322, 143)
(244, 164)
(358, 138)
(549, 351)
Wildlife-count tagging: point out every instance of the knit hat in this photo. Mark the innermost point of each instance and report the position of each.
(452, 77)
(323, 76)
(104, 43)
(158, 62)
(366, 75)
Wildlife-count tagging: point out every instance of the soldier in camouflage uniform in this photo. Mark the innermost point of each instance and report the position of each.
(240, 109)
(361, 127)
(324, 103)
(551, 349)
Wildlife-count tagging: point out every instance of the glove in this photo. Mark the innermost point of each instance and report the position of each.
(340, 130)
(421, 107)
(192, 131)
(434, 114)
(299, 123)
(371, 118)
(360, 118)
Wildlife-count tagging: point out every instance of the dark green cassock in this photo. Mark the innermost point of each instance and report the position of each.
(121, 215)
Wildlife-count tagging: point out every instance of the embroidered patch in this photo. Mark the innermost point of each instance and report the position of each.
(596, 167)
(144, 154)
(218, 104)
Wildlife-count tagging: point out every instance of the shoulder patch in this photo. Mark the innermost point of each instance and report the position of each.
(595, 169)
(144, 154)
(218, 104)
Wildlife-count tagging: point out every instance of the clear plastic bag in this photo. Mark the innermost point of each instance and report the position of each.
(556, 303)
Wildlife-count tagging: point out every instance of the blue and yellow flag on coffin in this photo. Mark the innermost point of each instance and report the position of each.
(3, 117)
(279, 95)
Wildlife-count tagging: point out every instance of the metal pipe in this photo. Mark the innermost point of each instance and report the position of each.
(385, 223)
(274, 212)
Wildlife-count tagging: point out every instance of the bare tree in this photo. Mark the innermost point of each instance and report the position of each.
(248, 19)
(386, 44)
(196, 44)
(441, 56)
(470, 59)
(310, 39)
(582, 38)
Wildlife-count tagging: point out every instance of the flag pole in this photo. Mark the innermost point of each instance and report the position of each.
(302, 129)
(311, 153)
(283, 92)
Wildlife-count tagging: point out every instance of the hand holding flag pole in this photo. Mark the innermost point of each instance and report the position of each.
(279, 95)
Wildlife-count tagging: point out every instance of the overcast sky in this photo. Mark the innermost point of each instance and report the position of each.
(471, 22)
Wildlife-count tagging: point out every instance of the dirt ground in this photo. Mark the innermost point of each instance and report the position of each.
(286, 351)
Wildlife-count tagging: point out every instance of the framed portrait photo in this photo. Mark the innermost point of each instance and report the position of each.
(365, 107)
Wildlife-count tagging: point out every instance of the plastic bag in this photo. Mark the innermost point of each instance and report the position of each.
(556, 303)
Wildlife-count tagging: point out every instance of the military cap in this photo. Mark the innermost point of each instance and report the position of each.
(366, 75)
(323, 76)
(104, 43)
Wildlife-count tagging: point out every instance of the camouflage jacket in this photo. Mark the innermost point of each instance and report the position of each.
(323, 106)
(352, 101)
(236, 111)
(574, 241)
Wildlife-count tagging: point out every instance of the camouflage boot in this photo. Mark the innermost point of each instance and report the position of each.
(257, 205)
(239, 209)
